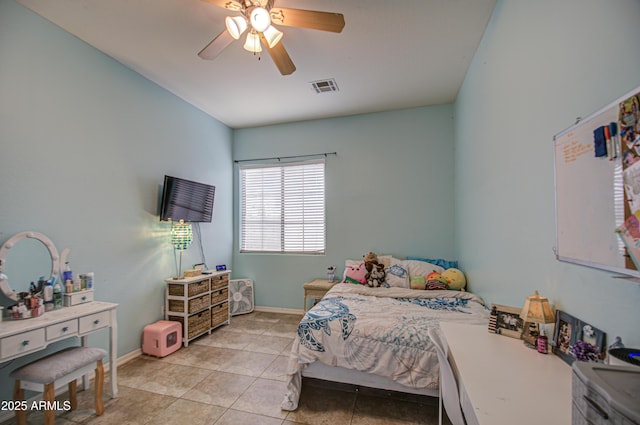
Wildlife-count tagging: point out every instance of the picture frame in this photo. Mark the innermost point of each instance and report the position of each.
(564, 336)
(594, 336)
(505, 320)
(570, 330)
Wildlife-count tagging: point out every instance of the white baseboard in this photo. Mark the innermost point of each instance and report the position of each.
(6, 415)
(279, 310)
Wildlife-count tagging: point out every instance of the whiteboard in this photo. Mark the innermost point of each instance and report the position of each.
(597, 209)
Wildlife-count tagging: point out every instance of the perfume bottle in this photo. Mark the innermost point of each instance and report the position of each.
(542, 343)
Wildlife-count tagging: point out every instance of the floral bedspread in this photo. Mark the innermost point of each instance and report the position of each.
(382, 331)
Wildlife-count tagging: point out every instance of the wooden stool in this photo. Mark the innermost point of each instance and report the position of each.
(58, 369)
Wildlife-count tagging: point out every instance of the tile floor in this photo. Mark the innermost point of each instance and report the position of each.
(236, 376)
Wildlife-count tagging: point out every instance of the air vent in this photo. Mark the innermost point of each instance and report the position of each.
(324, 86)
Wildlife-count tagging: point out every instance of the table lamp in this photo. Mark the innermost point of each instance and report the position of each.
(181, 237)
(536, 310)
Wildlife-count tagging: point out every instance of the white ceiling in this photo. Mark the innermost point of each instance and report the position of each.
(390, 55)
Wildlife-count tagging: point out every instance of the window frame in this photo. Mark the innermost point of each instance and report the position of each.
(283, 250)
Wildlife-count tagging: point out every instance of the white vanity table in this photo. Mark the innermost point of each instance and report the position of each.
(35, 254)
(21, 337)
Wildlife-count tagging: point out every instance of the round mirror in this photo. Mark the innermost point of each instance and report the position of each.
(24, 258)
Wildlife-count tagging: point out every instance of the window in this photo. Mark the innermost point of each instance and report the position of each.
(283, 208)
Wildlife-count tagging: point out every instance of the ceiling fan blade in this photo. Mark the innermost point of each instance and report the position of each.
(216, 46)
(312, 19)
(227, 4)
(280, 57)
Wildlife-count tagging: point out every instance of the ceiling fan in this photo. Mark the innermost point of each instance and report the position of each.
(257, 16)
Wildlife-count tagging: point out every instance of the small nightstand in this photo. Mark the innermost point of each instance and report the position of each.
(316, 289)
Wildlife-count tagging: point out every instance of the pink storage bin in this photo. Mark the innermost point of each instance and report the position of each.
(161, 338)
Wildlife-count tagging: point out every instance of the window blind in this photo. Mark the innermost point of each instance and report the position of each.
(283, 208)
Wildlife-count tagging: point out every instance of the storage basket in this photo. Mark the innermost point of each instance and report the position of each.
(195, 304)
(193, 289)
(219, 281)
(198, 323)
(220, 296)
(219, 314)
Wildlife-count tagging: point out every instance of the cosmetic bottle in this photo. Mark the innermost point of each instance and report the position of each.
(67, 274)
(542, 343)
(47, 293)
(57, 295)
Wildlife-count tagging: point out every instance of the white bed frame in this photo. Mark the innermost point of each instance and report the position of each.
(319, 370)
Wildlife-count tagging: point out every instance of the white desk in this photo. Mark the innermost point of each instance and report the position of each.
(21, 337)
(503, 382)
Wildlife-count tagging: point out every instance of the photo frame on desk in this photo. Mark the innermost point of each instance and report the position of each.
(564, 336)
(506, 320)
(569, 331)
(596, 350)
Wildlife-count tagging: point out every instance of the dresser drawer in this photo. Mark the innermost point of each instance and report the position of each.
(94, 321)
(22, 343)
(218, 282)
(62, 330)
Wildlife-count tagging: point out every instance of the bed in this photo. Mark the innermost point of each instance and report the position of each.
(376, 337)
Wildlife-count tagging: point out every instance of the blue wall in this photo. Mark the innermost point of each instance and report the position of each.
(389, 190)
(539, 66)
(85, 144)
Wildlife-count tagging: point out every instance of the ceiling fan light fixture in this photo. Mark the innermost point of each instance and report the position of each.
(236, 25)
(252, 44)
(272, 35)
(260, 19)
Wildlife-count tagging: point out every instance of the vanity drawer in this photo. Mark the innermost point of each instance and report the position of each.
(94, 321)
(62, 330)
(76, 298)
(22, 343)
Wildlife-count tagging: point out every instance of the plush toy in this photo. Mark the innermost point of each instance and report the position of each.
(455, 279)
(376, 274)
(370, 257)
(355, 274)
(436, 281)
(418, 282)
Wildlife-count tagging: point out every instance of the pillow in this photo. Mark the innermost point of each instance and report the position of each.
(349, 263)
(421, 268)
(397, 274)
(445, 264)
(355, 274)
(385, 260)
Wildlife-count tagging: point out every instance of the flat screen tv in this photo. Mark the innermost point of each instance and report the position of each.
(186, 200)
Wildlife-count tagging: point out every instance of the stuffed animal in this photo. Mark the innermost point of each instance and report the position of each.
(355, 274)
(376, 275)
(418, 282)
(436, 281)
(370, 257)
(455, 279)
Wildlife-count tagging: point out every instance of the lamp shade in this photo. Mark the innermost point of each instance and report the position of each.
(537, 310)
(253, 43)
(236, 25)
(260, 19)
(181, 235)
(272, 35)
